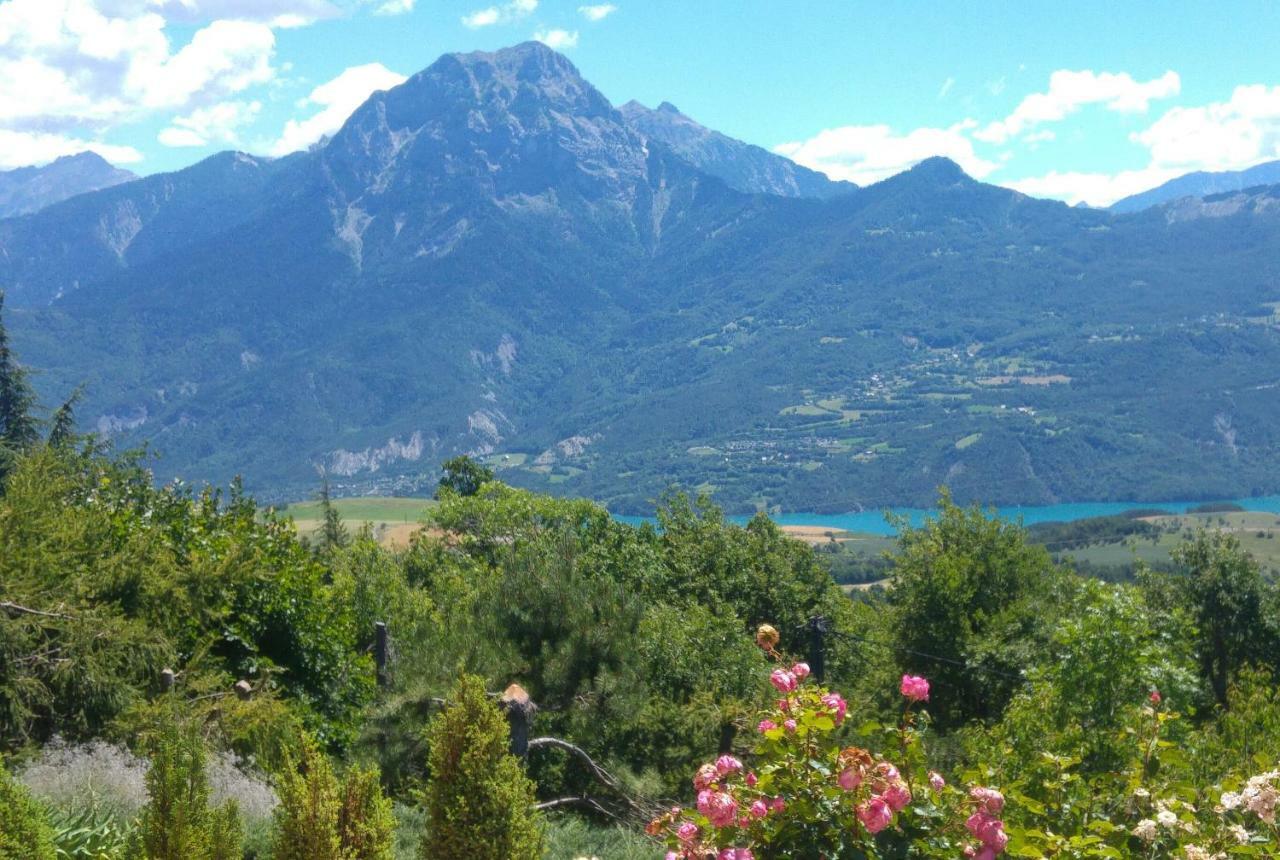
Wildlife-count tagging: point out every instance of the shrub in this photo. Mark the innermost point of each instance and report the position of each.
(106, 781)
(479, 801)
(178, 823)
(320, 819)
(24, 830)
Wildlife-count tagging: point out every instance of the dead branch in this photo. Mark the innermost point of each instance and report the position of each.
(15, 609)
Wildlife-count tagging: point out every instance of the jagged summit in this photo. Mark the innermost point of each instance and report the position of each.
(29, 189)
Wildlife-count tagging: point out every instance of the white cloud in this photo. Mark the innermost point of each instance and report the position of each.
(598, 12)
(558, 39)
(1069, 91)
(218, 123)
(394, 7)
(946, 87)
(504, 14)
(868, 153)
(337, 100)
(1229, 135)
(22, 148)
(276, 13)
(1094, 189)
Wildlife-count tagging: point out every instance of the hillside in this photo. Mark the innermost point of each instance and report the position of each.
(492, 259)
(30, 189)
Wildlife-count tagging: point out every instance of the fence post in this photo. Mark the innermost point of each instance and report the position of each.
(167, 679)
(818, 627)
(380, 648)
(519, 707)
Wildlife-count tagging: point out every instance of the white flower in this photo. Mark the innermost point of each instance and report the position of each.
(1166, 818)
(1239, 834)
(1145, 830)
(1230, 800)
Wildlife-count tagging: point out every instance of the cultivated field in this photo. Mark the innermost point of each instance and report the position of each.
(394, 520)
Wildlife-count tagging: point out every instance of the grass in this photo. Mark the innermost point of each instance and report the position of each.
(1258, 532)
(961, 444)
(394, 519)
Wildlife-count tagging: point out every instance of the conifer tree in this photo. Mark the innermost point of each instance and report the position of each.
(62, 425)
(17, 423)
(24, 831)
(479, 800)
(333, 534)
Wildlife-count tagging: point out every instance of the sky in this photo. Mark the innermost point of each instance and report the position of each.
(1079, 101)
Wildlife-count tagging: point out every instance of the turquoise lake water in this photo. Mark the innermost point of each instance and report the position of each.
(873, 522)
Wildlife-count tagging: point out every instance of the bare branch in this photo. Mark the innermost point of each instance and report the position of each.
(603, 776)
(584, 802)
(15, 609)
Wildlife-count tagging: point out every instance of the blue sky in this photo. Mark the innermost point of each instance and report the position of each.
(1080, 101)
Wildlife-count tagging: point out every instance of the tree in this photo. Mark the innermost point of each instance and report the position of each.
(970, 605)
(62, 425)
(24, 831)
(479, 801)
(464, 476)
(333, 534)
(1224, 592)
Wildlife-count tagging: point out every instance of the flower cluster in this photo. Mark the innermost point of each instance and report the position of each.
(1259, 796)
(985, 824)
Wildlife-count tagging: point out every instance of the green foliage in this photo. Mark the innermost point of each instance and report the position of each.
(463, 476)
(1224, 593)
(333, 533)
(970, 591)
(24, 828)
(322, 818)
(479, 801)
(178, 822)
(88, 834)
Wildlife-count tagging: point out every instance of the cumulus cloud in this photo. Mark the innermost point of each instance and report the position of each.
(868, 153)
(23, 148)
(1093, 189)
(1069, 91)
(560, 40)
(598, 12)
(275, 13)
(337, 100)
(504, 14)
(218, 123)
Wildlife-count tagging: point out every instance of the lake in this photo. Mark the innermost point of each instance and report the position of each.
(873, 522)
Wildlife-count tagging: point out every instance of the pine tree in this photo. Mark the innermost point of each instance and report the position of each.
(62, 425)
(479, 800)
(334, 533)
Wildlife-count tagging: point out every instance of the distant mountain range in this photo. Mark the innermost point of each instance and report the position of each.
(1201, 184)
(29, 189)
(492, 259)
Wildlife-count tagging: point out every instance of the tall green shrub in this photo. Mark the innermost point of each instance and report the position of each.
(24, 831)
(479, 801)
(177, 823)
(321, 819)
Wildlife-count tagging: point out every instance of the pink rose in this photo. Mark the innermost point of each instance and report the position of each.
(719, 808)
(784, 705)
(834, 702)
(790, 726)
(985, 853)
(735, 854)
(888, 771)
(850, 778)
(988, 829)
(751, 780)
(898, 796)
(671, 855)
(1155, 697)
(759, 809)
(706, 776)
(783, 681)
(989, 799)
(915, 688)
(800, 670)
(875, 815)
(766, 726)
(777, 804)
(727, 764)
(687, 832)
(936, 782)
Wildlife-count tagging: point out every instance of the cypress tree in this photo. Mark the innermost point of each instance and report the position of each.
(17, 423)
(334, 532)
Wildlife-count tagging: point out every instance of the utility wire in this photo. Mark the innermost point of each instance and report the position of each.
(961, 663)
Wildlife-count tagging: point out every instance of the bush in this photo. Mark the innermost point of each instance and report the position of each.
(320, 819)
(24, 830)
(479, 801)
(178, 823)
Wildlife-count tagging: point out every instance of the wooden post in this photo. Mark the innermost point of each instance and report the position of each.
(167, 679)
(380, 647)
(728, 731)
(818, 647)
(519, 707)
(243, 690)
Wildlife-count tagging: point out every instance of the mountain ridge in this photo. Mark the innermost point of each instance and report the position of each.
(489, 259)
(1201, 184)
(24, 190)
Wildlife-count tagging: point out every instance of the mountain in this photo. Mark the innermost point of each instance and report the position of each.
(491, 259)
(743, 167)
(1201, 184)
(29, 189)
